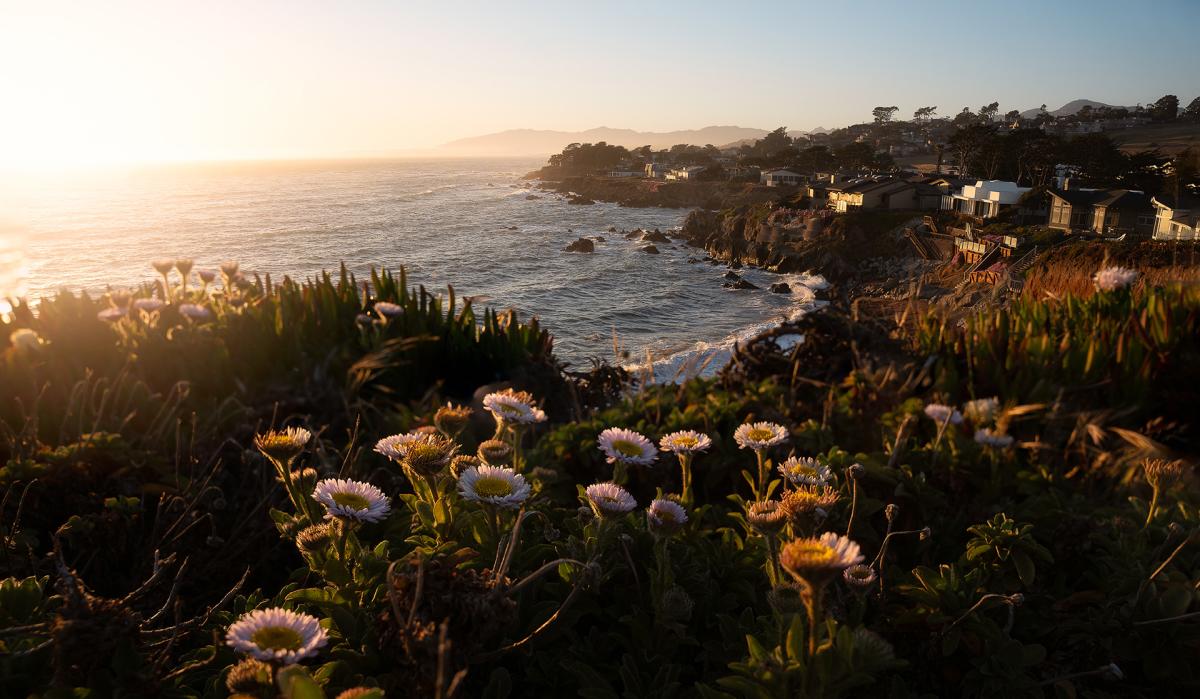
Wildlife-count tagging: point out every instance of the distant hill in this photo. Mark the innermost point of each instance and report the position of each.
(539, 142)
(1069, 108)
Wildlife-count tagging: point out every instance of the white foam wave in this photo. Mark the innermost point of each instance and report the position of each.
(707, 358)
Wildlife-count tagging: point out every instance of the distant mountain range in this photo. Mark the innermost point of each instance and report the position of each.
(545, 142)
(1069, 108)
(539, 142)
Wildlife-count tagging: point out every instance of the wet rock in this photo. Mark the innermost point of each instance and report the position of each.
(531, 197)
(736, 264)
(739, 284)
(598, 238)
(781, 288)
(581, 200)
(581, 245)
(655, 237)
(733, 276)
(612, 229)
(633, 235)
(692, 260)
(650, 249)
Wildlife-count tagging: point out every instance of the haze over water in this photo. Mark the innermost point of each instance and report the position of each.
(462, 222)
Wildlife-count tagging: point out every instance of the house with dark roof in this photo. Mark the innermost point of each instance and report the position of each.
(1104, 211)
(1176, 219)
(890, 193)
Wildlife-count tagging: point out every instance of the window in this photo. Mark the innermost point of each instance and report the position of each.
(1145, 220)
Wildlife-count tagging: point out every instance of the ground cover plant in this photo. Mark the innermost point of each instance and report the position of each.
(263, 492)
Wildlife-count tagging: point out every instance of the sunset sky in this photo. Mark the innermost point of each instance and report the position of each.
(117, 81)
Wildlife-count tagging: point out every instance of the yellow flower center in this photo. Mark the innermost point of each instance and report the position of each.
(493, 487)
(799, 470)
(665, 515)
(811, 553)
(686, 442)
(277, 638)
(352, 500)
(760, 434)
(626, 448)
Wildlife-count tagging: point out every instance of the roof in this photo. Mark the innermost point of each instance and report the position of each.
(1110, 198)
(864, 186)
(1186, 201)
(782, 170)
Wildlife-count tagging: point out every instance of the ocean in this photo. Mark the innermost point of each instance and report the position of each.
(464, 222)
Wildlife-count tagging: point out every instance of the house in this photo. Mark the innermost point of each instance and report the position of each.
(1104, 211)
(890, 193)
(625, 173)
(743, 172)
(1176, 219)
(685, 173)
(984, 199)
(657, 170)
(781, 178)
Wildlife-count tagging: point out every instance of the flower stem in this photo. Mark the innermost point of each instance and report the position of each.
(853, 506)
(685, 467)
(1153, 507)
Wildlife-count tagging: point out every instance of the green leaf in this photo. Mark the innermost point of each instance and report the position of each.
(1025, 567)
(295, 683)
(795, 638)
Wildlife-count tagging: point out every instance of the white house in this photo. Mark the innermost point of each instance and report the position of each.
(984, 199)
(685, 173)
(781, 178)
(1176, 220)
(657, 170)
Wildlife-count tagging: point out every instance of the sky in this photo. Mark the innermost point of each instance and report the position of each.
(126, 81)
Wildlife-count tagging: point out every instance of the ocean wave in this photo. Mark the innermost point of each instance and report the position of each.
(707, 358)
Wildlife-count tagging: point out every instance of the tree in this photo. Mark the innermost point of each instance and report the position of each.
(1012, 116)
(966, 142)
(988, 112)
(924, 114)
(855, 155)
(964, 118)
(1192, 113)
(1165, 109)
(884, 114)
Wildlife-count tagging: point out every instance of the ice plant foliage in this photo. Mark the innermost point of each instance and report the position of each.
(626, 446)
(1114, 278)
(609, 499)
(805, 470)
(277, 635)
(493, 485)
(759, 435)
(352, 500)
(685, 442)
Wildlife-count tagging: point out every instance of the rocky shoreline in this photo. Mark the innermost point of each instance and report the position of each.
(858, 254)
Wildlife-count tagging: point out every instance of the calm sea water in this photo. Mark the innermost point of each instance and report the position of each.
(462, 222)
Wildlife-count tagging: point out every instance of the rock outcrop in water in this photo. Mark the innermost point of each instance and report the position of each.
(581, 245)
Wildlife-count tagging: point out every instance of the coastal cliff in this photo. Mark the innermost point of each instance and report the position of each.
(860, 250)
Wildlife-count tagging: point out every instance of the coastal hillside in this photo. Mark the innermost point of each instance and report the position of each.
(516, 142)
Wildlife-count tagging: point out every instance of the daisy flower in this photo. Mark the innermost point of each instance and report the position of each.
(513, 407)
(942, 413)
(149, 305)
(626, 446)
(665, 516)
(609, 499)
(766, 516)
(25, 340)
(387, 309)
(163, 266)
(276, 634)
(759, 435)
(805, 470)
(981, 410)
(194, 311)
(989, 438)
(1114, 278)
(206, 275)
(393, 447)
(817, 560)
(685, 442)
(111, 315)
(283, 445)
(859, 576)
(352, 500)
(492, 485)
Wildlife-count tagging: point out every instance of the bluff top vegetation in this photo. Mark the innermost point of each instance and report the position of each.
(231, 486)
